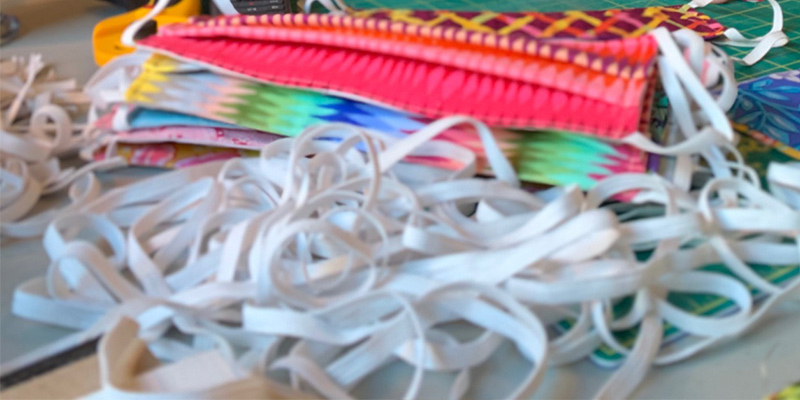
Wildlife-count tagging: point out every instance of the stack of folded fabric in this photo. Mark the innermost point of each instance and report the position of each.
(221, 88)
(569, 95)
(180, 113)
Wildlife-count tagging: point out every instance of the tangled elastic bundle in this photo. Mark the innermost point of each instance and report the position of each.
(323, 246)
(38, 117)
(309, 269)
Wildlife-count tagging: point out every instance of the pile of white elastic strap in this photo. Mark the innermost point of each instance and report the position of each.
(322, 263)
(38, 114)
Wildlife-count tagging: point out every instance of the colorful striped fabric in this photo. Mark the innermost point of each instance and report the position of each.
(165, 84)
(560, 158)
(550, 157)
(173, 155)
(601, 88)
(577, 24)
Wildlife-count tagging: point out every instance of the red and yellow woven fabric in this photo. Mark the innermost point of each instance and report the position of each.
(600, 24)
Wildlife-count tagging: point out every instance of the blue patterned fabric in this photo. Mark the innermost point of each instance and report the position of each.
(771, 105)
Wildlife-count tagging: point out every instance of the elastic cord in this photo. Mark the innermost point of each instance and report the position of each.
(128, 37)
(761, 45)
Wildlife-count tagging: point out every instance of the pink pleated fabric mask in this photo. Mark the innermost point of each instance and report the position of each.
(602, 88)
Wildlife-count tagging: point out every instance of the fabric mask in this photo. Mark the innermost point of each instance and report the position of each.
(198, 135)
(549, 157)
(546, 157)
(568, 85)
(573, 24)
(528, 84)
(581, 24)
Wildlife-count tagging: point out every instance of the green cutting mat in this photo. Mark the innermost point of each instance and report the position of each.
(752, 19)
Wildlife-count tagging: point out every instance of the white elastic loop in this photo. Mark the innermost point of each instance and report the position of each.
(226, 7)
(784, 182)
(38, 126)
(128, 37)
(763, 44)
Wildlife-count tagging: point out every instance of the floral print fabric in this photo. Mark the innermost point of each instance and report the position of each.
(768, 109)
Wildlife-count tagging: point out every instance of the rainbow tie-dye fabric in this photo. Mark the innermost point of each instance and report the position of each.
(226, 102)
